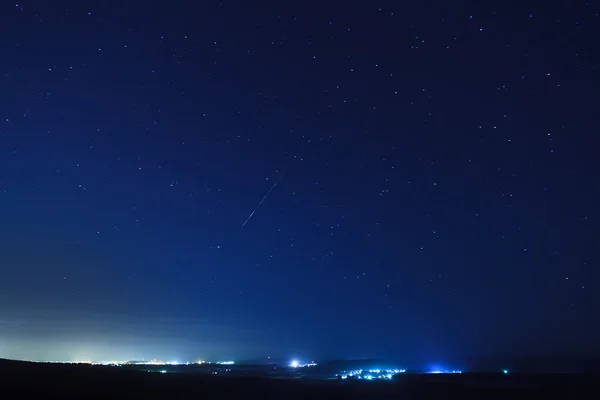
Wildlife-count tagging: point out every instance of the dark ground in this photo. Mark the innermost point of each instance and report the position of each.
(20, 379)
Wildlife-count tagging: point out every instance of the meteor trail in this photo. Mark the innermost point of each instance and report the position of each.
(263, 199)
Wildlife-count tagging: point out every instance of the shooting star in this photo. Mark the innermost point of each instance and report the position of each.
(263, 199)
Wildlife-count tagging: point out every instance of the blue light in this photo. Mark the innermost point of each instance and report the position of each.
(505, 371)
(444, 371)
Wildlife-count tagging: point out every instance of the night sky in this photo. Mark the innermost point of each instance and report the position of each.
(426, 174)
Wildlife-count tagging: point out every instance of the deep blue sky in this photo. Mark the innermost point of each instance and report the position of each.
(436, 164)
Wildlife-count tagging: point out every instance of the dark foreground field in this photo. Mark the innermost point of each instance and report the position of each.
(21, 379)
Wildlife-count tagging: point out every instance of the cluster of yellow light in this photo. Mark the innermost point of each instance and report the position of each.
(152, 362)
(117, 363)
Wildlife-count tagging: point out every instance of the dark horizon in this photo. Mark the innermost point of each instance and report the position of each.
(473, 365)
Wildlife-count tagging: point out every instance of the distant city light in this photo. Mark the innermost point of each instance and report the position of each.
(372, 374)
(225, 362)
(505, 371)
(296, 364)
(438, 371)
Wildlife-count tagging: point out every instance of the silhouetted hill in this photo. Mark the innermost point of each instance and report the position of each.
(23, 379)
